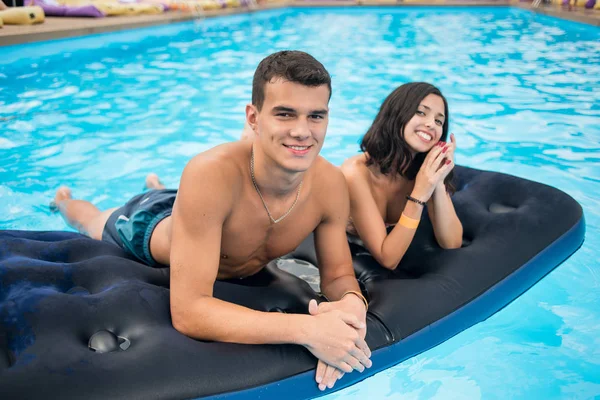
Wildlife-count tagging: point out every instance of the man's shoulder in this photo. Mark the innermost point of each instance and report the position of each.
(217, 172)
(225, 160)
(324, 171)
(328, 179)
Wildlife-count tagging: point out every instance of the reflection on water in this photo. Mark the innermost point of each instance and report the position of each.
(524, 99)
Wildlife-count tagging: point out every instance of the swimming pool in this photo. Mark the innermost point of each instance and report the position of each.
(98, 113)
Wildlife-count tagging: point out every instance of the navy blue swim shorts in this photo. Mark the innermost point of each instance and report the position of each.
(131, 226)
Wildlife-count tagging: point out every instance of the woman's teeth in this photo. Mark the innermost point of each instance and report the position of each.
(424, 135)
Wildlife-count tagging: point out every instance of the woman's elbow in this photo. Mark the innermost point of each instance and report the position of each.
(387, 264)
(450, 245)
(454, 242)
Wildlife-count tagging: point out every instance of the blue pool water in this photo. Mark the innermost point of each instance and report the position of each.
(99, 113)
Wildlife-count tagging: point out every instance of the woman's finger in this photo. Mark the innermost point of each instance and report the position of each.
(436, 162)
(433, 154)
(444, 170)
(434, 150)
(450, 152)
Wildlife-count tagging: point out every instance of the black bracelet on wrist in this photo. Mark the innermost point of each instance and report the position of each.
(410, 198)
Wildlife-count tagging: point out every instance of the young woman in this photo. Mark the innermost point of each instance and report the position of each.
(405, 165)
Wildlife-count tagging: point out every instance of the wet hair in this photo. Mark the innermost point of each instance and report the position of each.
(292, 66)
(384, 142)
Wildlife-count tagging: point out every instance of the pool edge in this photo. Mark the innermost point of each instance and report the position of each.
(64, 28)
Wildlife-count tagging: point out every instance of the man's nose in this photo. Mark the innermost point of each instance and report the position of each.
(301, 129)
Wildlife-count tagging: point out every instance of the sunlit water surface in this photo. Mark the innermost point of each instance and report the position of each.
(99, 113)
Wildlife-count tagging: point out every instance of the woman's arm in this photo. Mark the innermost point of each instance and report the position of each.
(446, 226)
(388, 249)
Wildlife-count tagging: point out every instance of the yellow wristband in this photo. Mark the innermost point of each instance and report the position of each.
(408, 222)
(360, 296)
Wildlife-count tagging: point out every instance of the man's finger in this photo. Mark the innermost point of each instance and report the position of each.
(325, 307)
(352, 320)
(330, 376)
(313, 308)
(361, 357)
(364, 347)
(345, 367)
(321, 366)
(355, 363)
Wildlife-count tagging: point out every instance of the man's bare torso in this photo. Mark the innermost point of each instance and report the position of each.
(249, 239)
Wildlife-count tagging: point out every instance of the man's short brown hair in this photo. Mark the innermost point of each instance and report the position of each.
(292, 66)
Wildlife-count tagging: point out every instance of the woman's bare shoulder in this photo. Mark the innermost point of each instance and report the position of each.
(355, 168)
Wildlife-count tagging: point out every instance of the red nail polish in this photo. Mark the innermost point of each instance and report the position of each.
(445, 149)
(448, 162)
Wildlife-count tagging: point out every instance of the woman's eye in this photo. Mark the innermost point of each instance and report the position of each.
(439, 122)
(420, 113)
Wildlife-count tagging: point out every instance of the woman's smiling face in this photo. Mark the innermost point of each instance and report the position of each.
(425, 128)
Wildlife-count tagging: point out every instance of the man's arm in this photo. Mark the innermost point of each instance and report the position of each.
(203, 203)
(335, 266)
(331, 244)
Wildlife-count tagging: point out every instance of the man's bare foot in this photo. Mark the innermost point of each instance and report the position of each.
(152, 182)
(63, 193)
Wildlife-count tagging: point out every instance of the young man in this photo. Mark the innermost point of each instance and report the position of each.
(243, 204)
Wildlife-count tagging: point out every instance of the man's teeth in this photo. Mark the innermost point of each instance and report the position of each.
(424, 135)
(299, 148)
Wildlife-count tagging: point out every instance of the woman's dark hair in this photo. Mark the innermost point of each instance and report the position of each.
(384, 142)
(293, 66)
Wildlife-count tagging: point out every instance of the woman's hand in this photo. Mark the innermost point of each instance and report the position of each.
(449, 155)
(434, 170)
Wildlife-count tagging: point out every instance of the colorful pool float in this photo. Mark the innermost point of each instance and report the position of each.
(97, 8)
(114, 7)
(81, 319)
(22, 15)
(206, 5)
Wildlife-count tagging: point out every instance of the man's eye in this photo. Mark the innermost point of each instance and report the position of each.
(284, 115)
(317, 116)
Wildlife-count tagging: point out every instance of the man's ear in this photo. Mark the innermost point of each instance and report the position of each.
(252, 117)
